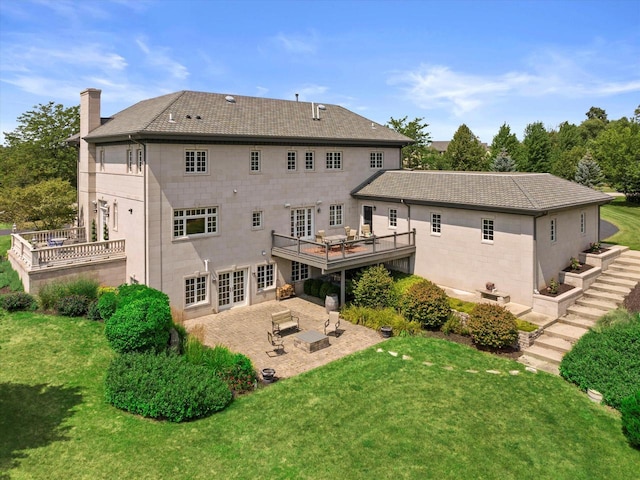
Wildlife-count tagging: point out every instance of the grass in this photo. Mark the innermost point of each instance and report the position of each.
(625, 216)
(369, 415)
(9, 279)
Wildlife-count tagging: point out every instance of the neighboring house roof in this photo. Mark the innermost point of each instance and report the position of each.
(440, 146)
(527, 193)
(198, 116)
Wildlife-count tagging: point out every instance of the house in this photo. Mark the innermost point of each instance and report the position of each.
(515, 230)
(220, 200)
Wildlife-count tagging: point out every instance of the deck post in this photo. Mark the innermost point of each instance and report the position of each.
(342, 287)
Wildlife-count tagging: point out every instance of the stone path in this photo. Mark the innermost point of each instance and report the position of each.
(245, 330)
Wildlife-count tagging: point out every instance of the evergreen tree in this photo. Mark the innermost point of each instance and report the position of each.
(465, 152)
(413, 156)
(588, 172)
(503, 163)
(505, 140)
(536, 149)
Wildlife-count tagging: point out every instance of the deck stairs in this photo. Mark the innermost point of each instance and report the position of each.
(605, 294)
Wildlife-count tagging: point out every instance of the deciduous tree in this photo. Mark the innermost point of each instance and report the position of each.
(413, 156)
(465, 152)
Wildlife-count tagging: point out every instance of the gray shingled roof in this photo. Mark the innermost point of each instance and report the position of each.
(246, 119)
(529, 193)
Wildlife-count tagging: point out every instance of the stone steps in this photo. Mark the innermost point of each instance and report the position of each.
(604, 295)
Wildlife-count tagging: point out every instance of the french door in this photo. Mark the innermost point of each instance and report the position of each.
(232, 289)
(302, 222)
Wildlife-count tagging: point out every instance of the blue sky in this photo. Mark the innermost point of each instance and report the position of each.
(482, 63)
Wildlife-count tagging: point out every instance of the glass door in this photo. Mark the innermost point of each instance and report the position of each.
(302, 222)
(232, 289)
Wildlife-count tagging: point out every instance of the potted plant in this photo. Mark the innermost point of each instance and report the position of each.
(386, 331)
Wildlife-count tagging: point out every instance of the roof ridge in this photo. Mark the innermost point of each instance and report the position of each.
(179, 95)
(515, 179)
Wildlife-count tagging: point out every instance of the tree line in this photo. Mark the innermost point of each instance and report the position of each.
(597, 151)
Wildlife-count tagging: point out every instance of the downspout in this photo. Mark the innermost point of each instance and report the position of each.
(144, 209)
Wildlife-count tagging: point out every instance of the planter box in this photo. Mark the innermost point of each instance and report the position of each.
(555, 307)
(602, 260)
(580, 280)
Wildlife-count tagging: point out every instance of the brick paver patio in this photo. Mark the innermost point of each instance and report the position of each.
(245, 330)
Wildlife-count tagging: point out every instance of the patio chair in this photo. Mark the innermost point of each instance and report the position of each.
(277, 342)
(334, 318)
(366, 230)
(320, 236)
(351, 234)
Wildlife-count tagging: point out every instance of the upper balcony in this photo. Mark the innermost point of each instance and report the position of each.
(344, 254)
(63, 247)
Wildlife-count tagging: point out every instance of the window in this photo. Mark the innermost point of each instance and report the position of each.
(334, 160)
(436, 224)
(393, 217)
(335, 215)
(195, 161)
(195, 290)
(129, 160)
(256, 220)
(139, 159)
(265, 276)
(309, 162)
(291, 161)
(299, 271)
(195, 221)
(583, 223)
(553, 233)
(255, 161)
(375, 160)
(114, 216)
(487, 230)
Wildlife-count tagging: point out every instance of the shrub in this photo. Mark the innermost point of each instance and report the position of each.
(630, 410)
(51, 293)
(314, 288)
(107, 304)
(93, 312)
(139, 326)
(607, 359)
(14, 302)
(73, 306)
(401, 283)
(425, 303)
(553, 286)
(164, 387)
(378, 317)
(374, 288)
(492, 326)
(135, 291)
(306, 286)
(235, 369)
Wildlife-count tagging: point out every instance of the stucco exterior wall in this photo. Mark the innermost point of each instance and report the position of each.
(458, 257)
(237, 192)
(553, 256)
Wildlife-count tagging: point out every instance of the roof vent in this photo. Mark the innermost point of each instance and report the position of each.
(230, 99)
(171, 120)
(188, 116)
(198, 117)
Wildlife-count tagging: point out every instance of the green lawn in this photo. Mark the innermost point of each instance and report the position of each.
(625, 216)
(369, 416)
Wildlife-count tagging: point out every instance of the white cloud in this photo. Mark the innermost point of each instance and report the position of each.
(158, 57)
(297, 43)
(310, 92)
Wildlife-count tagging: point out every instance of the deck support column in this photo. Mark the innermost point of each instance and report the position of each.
(342, 287)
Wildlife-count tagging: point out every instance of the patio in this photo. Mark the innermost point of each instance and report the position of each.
(245, 330)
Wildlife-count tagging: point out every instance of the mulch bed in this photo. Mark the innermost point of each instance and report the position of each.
(632, 301)
(583, 268)
(463, 340)
(562, 288)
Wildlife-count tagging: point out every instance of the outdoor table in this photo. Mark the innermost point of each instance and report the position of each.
(310, 341)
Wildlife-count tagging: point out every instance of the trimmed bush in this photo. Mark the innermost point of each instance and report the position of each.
(375, 318)
(630, 410)
(139, 326)
(135, 291)
(314, 287)
(73, 306)
(165, 387)
(235, 369)
(426, 303)
(107, 304)
(607, 359)
(492, 326)
(18, 301)
(401, 284)
(374, 288)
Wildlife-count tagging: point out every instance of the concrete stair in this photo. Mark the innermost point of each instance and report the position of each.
(605, 294)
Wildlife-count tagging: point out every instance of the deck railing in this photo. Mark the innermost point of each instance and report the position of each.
(34, 251)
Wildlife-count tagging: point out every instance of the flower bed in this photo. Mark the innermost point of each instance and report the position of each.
(556, 306)
(582, 278)
(602, 258)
